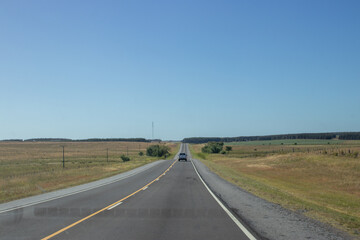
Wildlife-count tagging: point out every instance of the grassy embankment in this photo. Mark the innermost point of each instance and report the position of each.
(318, 178)
(30, 168)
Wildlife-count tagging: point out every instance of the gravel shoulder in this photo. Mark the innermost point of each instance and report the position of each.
(268, 220)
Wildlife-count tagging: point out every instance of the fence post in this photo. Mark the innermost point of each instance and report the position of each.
(63, 156)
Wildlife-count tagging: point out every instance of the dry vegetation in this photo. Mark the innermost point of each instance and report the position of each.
(30, 168)
(320, 180)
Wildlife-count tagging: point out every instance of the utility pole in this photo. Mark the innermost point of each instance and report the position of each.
(63, 156)
(152, 130)
(107, 155)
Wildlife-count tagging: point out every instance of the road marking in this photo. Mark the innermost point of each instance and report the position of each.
(114, 206)
(105, 208)
(146, 187)
(237, 222)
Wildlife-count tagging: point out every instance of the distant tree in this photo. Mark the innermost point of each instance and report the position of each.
(228, 148)
(213, 147)
(157, 150)
(141, 153)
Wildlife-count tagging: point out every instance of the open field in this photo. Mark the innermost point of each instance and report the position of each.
(297, 142)
(30, 168)
(318, 179)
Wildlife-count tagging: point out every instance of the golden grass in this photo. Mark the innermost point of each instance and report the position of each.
(30, 168)
(309, 179)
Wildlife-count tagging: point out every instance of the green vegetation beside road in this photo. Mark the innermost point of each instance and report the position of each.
(321, 181)
(30, 168)
(158, 151)
(212, 147)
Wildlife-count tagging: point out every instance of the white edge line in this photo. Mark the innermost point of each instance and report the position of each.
(245, 231)
(69, 194)
(114, 206)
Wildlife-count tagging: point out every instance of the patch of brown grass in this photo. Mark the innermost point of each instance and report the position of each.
(307, 178)
(30, 168)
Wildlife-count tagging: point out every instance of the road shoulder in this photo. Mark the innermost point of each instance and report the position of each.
(269, 220)
(29, 201)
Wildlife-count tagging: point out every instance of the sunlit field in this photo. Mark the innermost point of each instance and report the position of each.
(30, 168)
(318, 178)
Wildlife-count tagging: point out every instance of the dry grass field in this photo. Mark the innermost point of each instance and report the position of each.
(320, 180)
(30, 168)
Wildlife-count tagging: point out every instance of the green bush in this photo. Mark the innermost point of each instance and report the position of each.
(228, 148)
(223, 152)
(158, 151)
(125, 158)
(213, 147)
(141, 153)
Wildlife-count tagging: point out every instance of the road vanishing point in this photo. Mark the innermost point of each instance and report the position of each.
(167, 201)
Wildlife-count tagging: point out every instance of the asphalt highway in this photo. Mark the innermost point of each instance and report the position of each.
(167, 201)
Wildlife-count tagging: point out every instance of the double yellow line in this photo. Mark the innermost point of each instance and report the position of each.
(105, 208)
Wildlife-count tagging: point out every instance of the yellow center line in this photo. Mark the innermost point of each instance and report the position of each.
(101, 210)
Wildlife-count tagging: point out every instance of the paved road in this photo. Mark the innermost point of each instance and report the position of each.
(174, 205)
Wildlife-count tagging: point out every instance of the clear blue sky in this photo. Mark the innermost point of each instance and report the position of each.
(81, 69)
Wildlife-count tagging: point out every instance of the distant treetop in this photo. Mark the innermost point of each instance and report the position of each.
(334, 135)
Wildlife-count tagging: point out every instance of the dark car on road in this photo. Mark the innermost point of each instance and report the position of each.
(183, 156)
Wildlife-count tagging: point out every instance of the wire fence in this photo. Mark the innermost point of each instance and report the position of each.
(31, 158)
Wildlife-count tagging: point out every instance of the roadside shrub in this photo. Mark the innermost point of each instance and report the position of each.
(158, 151)
(228, 148)
(141, 153)
(125, 158)
(223, 152)
(201, 155)
(213, 147)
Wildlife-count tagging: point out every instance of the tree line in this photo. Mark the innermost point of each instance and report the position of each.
(81, 140)
(326, 136)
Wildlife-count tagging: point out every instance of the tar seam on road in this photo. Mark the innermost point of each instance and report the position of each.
(237, 222)
(107, 207)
